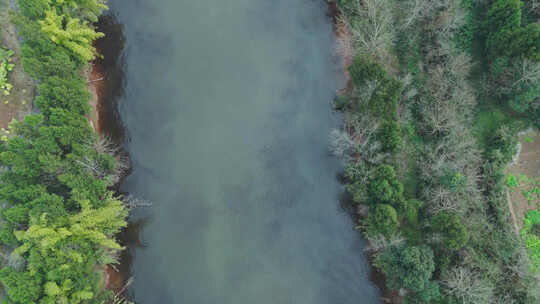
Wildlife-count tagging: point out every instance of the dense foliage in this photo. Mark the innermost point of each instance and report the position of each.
(59, 218)
(415, 152)
(531, 236)
(513, 56)
(408, 267)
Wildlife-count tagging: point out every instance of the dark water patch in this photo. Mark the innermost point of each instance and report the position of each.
(111, 65)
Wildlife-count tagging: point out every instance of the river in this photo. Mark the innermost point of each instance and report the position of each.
(226, 108)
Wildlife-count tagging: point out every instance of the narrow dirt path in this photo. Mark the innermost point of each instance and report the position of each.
(512, 213)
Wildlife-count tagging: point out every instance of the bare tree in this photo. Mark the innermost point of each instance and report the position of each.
(105, 145)
(363, 94)
(380, 242)
(363, 129)
(118, 297)
(441, 199)
(16, 261)
(372, 25)
(341, 143)
(468, 286)
(529, 73)
(414, 10)
(134, 202)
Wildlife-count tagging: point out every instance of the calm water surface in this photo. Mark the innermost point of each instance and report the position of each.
(226, 108)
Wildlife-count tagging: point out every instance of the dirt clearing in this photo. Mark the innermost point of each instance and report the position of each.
(527, 163)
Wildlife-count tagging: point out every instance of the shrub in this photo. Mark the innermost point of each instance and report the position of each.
(383, 102)
(506, 36)
(341, 102)
(503, 18)
(358, 192)
(454, 233)
(384, 186)
(431, 294)
(382, 218)
(409, 209)
(504, 141)
(362, 70)
(409, 267)
(531, 238)
(23, 287)
(390, 136)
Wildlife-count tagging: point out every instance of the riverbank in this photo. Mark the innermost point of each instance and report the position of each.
(108, 85)
(346, 51)
(430, 193)
(98, 83)
(54, 158)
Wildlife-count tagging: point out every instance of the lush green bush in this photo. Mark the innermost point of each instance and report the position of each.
(503, 143)
(503, 18)
(382, 219)
(506, 35)
(453, 232)
(363, 70)
(408, 267)
(410, 209)
(530, 235)
(390, 136)
(23, 287)
(453, 181)
(68, 94)
(358, 191)
(384, 186)
(431, 294)
(383, 101)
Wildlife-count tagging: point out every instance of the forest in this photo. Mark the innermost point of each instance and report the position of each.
(58, 216)
(438, 93)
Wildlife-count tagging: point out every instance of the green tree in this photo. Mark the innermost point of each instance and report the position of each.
(503, 19)
(22, 286)
(527, 42)
(454, 233)
(34, 8)
(384, 186)
(506, 35)
(410, 209)
(383, 101)
(72, 33)
(430, 295)
(390, 136)
(87, 9)
(409, 267)
(382, 218)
